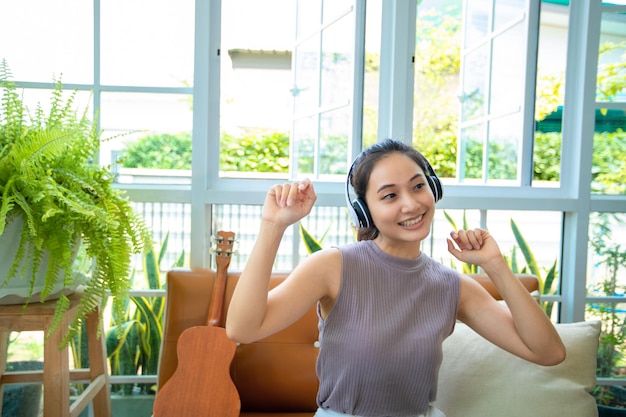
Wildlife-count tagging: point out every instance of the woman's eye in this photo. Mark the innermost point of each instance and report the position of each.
(419, 185)
(388, 196)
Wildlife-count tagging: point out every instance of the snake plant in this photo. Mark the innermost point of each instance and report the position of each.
(50, 178)
(134, 339)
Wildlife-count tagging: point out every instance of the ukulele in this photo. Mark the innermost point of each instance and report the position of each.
(201, 384)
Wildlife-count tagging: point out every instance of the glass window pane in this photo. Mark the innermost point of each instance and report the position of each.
(551, 59)
(508, 11)
(471, 152)
(42, 39)
(309, 17)
(474, 94)
(493, 68)
(477, 22)
(612, 59)
(256, 86)
(147, 43)
(609, 161)
(609, 143)
(149, 132)
(482, 139)
(503, 150)
(306, 88)
(337, 62)
(305, 132)
(436, 103)
(371, 79)
(508, 72)
(323, 104)
(335, 8)
(334, 133)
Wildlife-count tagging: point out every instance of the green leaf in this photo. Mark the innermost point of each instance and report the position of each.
(526, 251)
(312, 245)
(450, 220)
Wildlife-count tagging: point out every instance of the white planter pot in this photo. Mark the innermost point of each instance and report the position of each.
(17, 289)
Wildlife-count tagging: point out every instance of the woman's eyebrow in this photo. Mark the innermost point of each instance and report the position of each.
(414, 177)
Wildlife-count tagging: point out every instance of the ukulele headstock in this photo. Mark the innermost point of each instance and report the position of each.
(223, 250)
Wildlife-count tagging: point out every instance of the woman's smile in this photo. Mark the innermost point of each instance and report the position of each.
(412, 222)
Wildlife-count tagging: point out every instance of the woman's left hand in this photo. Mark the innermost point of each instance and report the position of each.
(475, 247)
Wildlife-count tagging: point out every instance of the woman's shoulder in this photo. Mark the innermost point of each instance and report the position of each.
(323, 258)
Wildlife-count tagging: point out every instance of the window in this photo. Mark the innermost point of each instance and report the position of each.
(483, 130)
(255, 88)
(328, 65)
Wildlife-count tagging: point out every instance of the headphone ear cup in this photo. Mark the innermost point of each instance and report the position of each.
(435, 185)
(362, 213)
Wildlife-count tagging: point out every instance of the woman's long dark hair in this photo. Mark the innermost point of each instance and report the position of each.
(364, 165)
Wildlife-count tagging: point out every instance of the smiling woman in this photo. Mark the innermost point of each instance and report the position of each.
(354, 285)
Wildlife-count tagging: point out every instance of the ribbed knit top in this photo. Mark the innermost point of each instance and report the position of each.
(380, 346)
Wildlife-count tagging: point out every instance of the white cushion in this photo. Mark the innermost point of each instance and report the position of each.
(478, 379)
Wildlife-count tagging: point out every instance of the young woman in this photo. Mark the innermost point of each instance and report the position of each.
(384, 307)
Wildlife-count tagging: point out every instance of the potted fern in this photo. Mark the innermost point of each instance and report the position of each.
(57, 200)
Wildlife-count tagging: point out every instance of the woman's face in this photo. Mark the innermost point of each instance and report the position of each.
(400, 201)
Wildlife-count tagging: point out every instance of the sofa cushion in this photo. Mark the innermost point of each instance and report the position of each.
(478, 379)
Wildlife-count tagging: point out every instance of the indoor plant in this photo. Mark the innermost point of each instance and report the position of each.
(134, 337)
(64, 201)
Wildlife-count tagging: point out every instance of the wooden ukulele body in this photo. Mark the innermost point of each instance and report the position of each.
(201, 384)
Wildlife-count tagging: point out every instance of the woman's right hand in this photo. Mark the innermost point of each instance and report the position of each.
(287, 203)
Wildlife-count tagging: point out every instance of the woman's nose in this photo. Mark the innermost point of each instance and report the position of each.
(409, 202)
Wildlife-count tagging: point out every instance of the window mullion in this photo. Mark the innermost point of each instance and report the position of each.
(397, 70)
(577, 150)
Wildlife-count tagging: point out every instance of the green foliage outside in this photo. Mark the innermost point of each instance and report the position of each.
(262, 152)
(436, 125)
(438, 64)
(609, 264)
(253, 152)
(332, 158)
(162, 151)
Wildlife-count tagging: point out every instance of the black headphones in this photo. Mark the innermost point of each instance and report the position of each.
(357, 208)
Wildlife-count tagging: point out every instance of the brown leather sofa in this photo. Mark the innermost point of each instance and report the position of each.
(275, 376)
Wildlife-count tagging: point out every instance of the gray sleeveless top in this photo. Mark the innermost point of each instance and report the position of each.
(381, 343)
